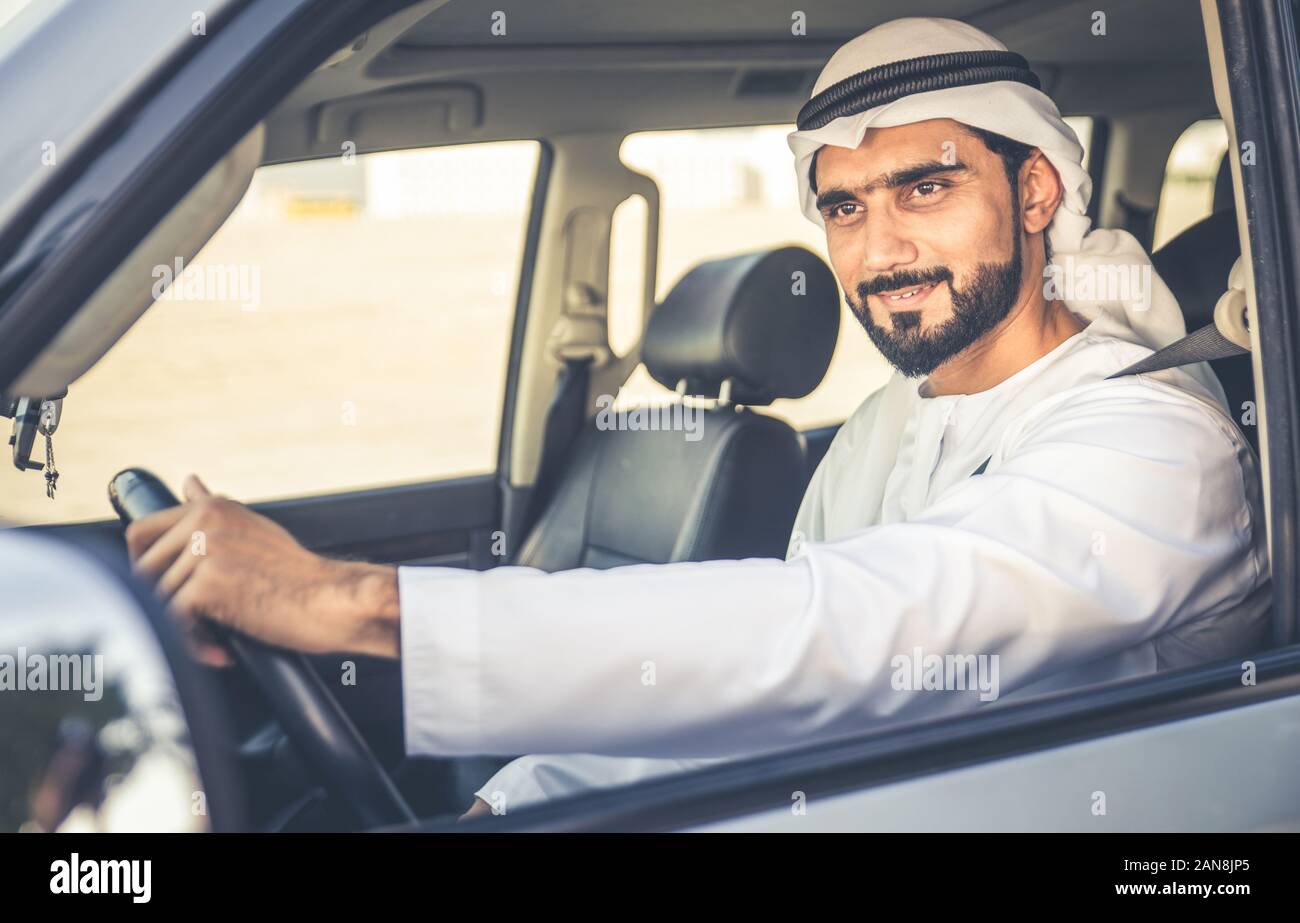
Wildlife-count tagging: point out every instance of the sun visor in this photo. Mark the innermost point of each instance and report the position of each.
(128, 292)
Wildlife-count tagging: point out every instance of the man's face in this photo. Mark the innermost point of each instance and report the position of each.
(924, 237)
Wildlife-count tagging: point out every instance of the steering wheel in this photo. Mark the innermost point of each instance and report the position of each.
(316, 725)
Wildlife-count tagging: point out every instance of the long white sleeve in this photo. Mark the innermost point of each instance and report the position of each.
(541, 777)
(1100, 529)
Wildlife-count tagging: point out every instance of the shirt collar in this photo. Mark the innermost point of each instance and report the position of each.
(1012, 382)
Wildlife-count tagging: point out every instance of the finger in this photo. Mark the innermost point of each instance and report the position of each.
(189, 604)
(195, 489)
(180, 570)
(213, 657)
(476, 810)
(210, 649)
(200, 638)
(205, 648)
(165, 550)
(144, 532)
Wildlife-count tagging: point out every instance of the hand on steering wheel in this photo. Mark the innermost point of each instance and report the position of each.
(321, 731)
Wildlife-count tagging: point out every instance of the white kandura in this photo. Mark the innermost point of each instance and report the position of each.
(1117, 530)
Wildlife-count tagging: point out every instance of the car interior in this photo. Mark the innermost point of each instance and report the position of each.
(728, 340)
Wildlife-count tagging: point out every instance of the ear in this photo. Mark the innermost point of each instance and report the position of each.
(1040, 192)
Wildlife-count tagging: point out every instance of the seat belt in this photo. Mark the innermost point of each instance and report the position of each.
(564, 420)
(1222, 337)
(1201, 345)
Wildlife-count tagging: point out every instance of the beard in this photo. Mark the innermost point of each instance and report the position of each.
(977, 308)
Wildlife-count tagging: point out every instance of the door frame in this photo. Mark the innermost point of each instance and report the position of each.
(1260, 52)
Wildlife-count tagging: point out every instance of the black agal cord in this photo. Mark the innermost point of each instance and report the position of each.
(877, 86)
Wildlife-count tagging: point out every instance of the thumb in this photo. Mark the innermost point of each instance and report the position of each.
(195, 489)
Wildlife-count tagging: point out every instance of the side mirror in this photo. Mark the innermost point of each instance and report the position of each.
(105, 723)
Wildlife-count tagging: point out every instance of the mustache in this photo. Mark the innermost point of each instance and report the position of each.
(904, 278)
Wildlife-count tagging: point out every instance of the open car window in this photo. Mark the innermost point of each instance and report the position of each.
(1192, 187)
(347, 317)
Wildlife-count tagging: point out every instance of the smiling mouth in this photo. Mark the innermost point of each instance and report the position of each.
(905, 296)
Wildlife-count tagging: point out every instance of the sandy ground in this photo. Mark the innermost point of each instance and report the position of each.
(376, 356)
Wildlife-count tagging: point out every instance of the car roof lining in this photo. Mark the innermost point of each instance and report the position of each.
(680, 64)
(1061, 27)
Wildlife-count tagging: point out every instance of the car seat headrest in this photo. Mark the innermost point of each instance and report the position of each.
(766, 322)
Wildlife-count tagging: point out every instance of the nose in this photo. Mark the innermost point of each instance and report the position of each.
(885, 248)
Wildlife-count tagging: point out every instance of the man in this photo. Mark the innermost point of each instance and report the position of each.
(1018, 508)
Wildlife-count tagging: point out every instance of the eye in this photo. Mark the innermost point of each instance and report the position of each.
(843, 210)
(926, 188)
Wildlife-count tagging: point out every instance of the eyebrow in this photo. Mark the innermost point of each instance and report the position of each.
(901, 177)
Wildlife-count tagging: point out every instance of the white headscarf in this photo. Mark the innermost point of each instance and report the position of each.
(1024, 114)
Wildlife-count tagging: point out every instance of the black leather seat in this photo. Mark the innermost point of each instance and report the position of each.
(1195, 266)
(764, 323)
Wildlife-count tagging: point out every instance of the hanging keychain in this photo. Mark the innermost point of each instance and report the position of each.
(49, 422)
